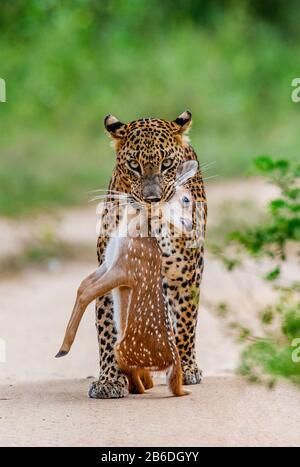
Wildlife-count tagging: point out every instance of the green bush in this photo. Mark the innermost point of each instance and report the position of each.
(270, 355)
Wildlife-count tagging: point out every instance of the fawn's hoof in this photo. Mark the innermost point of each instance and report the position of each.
(191, 376)
(108, 390)
(61, 353)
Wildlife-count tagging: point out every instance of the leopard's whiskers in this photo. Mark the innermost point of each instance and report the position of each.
(107, 190)
(112, 196)
(206, 165)
(211, 176)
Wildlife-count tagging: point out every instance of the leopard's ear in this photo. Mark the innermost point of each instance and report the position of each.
(114, 127)
(183, 122)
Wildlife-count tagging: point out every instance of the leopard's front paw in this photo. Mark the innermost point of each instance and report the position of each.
(191, 375)
(108, 390)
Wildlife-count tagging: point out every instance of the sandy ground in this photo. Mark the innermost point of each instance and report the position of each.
(220, 412)
(43, 401)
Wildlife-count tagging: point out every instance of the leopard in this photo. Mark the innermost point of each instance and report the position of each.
(148, 154)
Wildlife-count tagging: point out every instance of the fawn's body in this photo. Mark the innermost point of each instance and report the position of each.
(132, 271)
(145, 337)
(147, 341)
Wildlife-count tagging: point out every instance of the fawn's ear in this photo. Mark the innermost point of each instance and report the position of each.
(114, 127)
(183, 122)
(185, 171)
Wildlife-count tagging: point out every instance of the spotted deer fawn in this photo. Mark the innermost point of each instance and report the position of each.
(132, 271)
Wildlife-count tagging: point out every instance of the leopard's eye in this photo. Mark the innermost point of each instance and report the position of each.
(134, 165)
(167, 163)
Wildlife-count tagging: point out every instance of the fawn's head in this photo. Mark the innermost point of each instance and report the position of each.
(179, 210)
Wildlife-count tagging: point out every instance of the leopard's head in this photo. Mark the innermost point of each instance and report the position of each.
(149, 152)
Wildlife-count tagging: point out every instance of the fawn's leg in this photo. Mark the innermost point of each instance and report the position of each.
(175, 380)
(135, 384)
(146, 379)
(174, 376)
(74, 319)
(96, 285)
(139, 380)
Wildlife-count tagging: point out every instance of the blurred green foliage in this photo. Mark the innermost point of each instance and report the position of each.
(277, 239)
(69, 63)
(271, 238)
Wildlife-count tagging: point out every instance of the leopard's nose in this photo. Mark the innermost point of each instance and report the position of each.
(151, 189)
(152, 199)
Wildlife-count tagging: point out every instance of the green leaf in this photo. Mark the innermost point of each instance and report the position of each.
(267, 317)
(291, 323)
(274, 274)
(264, 163)
(222, 309)
(293, 193)
(277, 204)
(294, 207)
(282, 164)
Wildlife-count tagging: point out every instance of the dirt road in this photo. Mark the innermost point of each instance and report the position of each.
(220, 412)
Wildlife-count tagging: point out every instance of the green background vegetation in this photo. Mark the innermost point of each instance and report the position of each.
(276, 238)
(69, 63)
